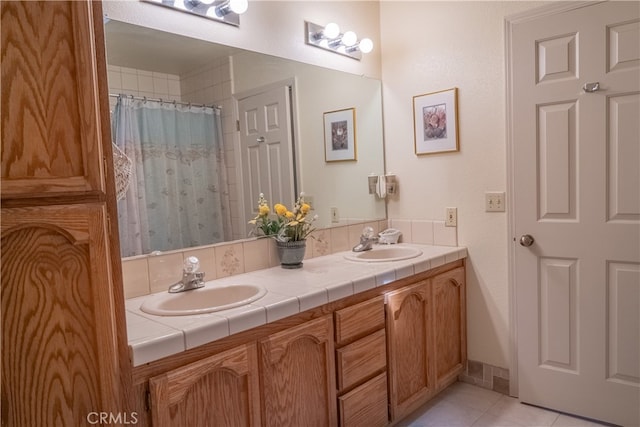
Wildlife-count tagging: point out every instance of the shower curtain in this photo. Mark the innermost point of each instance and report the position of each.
(178, 196)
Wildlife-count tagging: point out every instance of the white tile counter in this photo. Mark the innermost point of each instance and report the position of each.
(321, 280)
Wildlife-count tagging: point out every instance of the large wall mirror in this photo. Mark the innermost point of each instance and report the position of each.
(180, 91)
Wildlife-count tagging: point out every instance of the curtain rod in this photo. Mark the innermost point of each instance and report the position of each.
(174, 102)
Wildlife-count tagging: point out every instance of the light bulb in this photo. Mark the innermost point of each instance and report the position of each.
(206, 1)
(331, 30)
(366, 45)
(239, 6)
(349, 38)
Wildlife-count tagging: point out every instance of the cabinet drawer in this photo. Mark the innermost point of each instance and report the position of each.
(365, 405)
(361, 359)
(359, 320)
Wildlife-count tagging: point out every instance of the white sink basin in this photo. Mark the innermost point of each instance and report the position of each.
(384, 254)
(203, 300)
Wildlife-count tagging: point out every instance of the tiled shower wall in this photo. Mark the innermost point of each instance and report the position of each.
(210, 84)
(155, 273)
(135, 82)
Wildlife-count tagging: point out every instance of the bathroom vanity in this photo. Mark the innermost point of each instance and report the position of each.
(370, 358)
(379, 345)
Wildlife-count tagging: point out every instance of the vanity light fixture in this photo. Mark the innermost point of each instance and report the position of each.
(330, 38)
(227, 11)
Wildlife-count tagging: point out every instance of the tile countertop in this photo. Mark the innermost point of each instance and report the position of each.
(322, 280)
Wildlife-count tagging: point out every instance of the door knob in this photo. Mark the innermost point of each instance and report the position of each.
(260, 140)
(526, 240)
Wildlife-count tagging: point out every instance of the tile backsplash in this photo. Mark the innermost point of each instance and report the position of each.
(147, 274)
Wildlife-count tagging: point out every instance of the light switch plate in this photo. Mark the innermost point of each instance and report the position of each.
(494, 201)
(335, 216)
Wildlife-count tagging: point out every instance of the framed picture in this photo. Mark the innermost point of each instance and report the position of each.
(435, 122)
(340, 135)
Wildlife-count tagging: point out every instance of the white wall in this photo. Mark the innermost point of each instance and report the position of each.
(430, 46)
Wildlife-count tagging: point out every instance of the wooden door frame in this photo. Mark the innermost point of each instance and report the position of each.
(295, 136)
(509, 23)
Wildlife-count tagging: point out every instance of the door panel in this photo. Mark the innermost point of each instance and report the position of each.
(624, 318)
(557, 161)
(558, 313)
(623, 153)
(576, 190)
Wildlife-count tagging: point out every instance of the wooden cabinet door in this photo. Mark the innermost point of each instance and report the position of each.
(52, 135)
(409, 341)
(298, 376)
(60, 360)
(221, 390)
(449, 323)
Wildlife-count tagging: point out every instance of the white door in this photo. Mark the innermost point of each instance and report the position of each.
(576, 191)
(266, 146)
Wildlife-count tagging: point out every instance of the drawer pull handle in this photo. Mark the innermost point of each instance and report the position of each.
(455, 283)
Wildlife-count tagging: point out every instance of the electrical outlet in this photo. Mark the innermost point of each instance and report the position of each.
(335, 217)
(451, 219)
(494, 201)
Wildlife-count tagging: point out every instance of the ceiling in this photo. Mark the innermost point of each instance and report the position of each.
(149, 49)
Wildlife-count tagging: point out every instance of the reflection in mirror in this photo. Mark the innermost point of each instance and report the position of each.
(195, 175)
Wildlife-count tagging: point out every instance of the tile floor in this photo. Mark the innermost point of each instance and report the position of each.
(463, 405)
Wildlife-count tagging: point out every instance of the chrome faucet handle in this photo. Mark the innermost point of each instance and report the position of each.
(191, 265)
(367, 233)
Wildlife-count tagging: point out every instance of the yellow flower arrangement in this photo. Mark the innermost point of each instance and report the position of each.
(287, 226)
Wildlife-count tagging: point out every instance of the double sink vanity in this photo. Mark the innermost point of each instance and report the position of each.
(350, 339)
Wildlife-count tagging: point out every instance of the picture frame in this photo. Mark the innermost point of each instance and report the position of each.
(340, 135)
(435, 122)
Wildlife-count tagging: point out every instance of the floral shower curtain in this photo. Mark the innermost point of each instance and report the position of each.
(178, 196)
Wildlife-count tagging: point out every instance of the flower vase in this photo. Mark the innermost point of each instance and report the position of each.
(291, 254)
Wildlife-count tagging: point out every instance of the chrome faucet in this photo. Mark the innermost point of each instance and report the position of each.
(367, 239)
(191, 278)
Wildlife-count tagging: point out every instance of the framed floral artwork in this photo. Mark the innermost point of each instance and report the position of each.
(340, 135)
(435, 122)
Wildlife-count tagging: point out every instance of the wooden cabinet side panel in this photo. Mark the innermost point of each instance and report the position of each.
(449, 320)
(221, 390)
(409, 340)
(298, 376)
(59, 360)
(51, 139)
